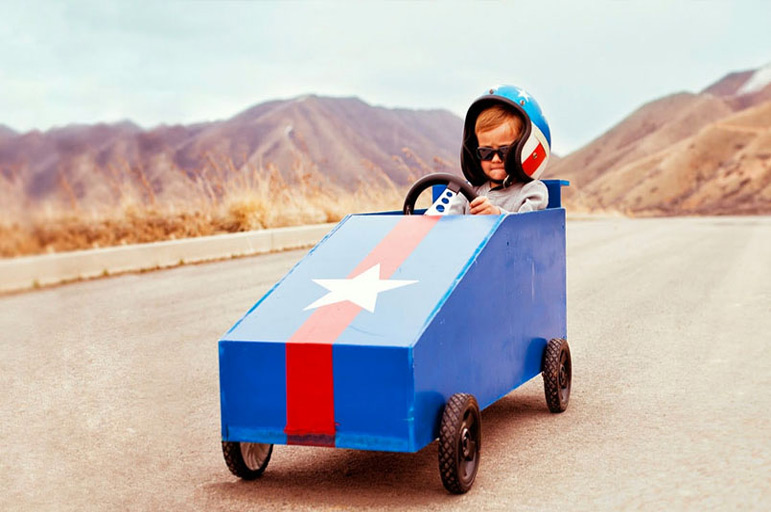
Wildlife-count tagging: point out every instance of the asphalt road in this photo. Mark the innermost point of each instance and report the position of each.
(109, 391)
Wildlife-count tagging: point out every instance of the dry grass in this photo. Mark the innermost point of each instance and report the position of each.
(220, 198)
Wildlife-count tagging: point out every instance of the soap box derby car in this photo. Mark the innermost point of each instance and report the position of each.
(395, 330)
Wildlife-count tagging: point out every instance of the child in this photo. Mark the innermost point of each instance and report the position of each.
(506, 143)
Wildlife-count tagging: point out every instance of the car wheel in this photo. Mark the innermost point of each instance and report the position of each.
(460, 440)
(246, 460)
(557, 374)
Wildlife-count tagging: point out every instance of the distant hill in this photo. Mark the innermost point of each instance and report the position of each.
(6, 131)
(343, 139)
(686, 153)
(705, 153)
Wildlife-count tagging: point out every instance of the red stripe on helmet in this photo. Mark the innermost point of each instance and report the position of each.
(534, 160)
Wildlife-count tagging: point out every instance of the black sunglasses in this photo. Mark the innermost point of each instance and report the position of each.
(485, 153)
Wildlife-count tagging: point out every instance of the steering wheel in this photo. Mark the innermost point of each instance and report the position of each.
(455, 185)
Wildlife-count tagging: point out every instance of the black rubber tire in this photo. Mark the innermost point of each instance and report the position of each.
(557, 374)
(234, 458)
(460, 443)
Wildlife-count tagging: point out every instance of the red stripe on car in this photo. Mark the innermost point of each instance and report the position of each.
(309, 367)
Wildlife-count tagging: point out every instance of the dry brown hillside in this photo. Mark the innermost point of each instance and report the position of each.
(725, 168)
(706, 153)
(302, 161)
(346, 140)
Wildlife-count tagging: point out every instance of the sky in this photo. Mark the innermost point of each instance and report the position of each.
(588, 63)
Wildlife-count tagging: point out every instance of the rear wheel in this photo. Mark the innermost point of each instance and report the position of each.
(557, 374)
(460, 440)
(246, 460)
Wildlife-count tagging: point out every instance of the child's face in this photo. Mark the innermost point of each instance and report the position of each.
(503, 135)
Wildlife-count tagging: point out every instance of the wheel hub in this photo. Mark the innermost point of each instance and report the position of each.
(254, 454)
(563, 377)
(465, 443)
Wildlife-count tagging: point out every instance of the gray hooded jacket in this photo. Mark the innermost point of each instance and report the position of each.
(517, 198)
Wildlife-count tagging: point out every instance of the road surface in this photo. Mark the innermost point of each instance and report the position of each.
(109, 390)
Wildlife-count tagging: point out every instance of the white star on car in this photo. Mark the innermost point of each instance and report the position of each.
(361, 290)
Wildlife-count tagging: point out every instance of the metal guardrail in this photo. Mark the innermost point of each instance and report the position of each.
(32, 271)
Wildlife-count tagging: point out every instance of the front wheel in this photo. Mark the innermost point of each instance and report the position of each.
(557, 374)
(246, 460)
(460, 440)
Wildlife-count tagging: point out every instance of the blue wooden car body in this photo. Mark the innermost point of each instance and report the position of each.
(476, 299)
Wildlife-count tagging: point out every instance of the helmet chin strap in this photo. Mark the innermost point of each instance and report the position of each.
(507, 181)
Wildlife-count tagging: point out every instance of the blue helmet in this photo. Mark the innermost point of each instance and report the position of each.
(527, 160)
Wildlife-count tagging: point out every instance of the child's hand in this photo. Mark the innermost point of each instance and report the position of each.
(482, 206)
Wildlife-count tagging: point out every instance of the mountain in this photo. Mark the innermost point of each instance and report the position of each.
(343, 140)
(344, 137)
(687, 153)
(730, 84)
(6, 132)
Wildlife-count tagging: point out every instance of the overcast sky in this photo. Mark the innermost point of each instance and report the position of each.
(589, 63)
